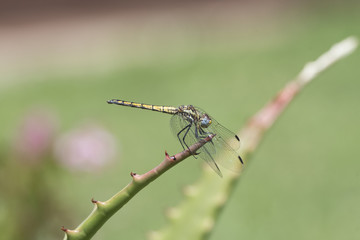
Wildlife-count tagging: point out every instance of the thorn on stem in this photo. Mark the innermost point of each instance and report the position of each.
(132, 174)
(93, 201)
(168, 157)
(64, 229)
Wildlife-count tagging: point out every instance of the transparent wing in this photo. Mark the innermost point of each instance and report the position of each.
(177, 123)
(188, 135)
(225, 143)
(226, 156)
(205, 154)
(226, 136)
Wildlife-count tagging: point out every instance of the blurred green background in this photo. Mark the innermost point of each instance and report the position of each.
(227, 58)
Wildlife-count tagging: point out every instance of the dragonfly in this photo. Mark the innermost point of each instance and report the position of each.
(191, 124)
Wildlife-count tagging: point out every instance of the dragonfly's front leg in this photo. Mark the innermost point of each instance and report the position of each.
(178, 135)
(187, 131)
(205, 134)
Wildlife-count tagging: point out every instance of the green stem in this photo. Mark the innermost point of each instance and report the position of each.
(104, 210)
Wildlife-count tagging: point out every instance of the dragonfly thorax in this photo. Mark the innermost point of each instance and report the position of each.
(193, 115)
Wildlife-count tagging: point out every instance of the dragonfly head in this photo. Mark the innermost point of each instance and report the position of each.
(205, 121)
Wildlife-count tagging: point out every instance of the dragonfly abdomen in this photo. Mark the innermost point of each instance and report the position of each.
(156, 108)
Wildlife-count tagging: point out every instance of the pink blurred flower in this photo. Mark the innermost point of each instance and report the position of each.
(86, 149)
(35, 135)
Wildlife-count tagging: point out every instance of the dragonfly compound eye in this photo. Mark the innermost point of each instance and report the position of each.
(205, 122)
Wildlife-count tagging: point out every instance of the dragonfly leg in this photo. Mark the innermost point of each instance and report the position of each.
(197, 133)
(187, 131)
(178, 135)
(204, 135)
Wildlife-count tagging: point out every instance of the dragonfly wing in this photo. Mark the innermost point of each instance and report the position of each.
(226, 142)
(177, 123)
(228, 137)
(190, 135)
(225, 135)
(205, 153)
(228, 157)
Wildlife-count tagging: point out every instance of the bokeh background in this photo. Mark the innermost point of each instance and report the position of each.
(61, 144)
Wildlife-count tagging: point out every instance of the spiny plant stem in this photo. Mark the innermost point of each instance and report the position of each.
(104, 210)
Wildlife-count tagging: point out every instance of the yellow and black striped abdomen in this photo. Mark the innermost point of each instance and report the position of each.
(157, 108)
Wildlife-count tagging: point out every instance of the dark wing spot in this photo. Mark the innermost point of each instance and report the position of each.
(241, 160)
(236, 136)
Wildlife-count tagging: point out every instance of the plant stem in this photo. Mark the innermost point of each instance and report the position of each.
(104, 210)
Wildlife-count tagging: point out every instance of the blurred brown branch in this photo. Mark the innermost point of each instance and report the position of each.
(208, 196)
